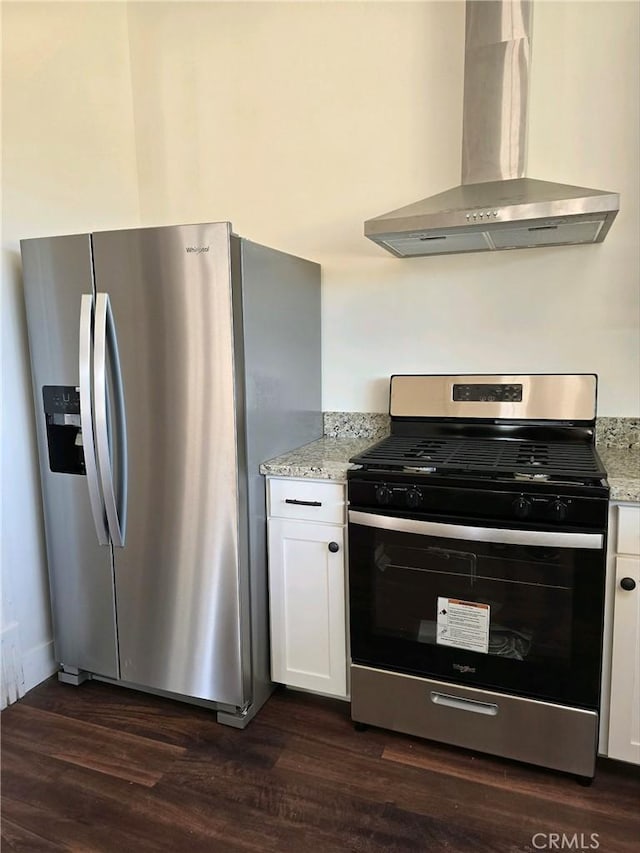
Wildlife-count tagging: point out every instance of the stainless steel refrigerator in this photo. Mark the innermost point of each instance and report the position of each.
(167, 364)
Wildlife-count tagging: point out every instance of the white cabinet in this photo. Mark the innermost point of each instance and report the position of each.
(306, 536)
(624, 704)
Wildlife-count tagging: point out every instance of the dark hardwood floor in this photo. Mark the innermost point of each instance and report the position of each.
(100, 768)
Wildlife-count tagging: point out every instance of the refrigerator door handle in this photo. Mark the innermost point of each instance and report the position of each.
(86, 419)
(106, 339)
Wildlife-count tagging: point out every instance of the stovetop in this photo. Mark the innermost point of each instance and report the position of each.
(528, 459)
(487, 448)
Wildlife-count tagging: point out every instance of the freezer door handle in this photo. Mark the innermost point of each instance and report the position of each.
(106, 342)
(86, 418)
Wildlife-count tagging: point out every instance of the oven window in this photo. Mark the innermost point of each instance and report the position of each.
(526, 593)
(515, 617)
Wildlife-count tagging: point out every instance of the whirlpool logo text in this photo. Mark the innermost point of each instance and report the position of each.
(461, 668)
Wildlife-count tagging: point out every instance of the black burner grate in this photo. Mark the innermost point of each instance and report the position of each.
(497, 455)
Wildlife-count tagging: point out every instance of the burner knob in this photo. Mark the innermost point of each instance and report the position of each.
(383, 494)
(414, 498)
(521, 507)
(560, 509)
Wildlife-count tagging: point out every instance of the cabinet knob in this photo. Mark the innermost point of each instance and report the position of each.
(334, 547)
(625, 583)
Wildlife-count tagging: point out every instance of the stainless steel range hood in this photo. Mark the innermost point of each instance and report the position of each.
(496, 206)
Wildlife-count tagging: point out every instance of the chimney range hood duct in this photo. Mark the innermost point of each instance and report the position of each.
(496, 207)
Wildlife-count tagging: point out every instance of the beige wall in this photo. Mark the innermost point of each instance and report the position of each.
(68, 139)
(68, 164)
(297, 121)
(291, 118)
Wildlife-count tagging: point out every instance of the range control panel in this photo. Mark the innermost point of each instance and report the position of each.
(482, 393)
(432, 496)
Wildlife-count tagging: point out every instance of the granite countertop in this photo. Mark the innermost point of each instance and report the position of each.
(328, 459)
(323, 459)
(623, 472)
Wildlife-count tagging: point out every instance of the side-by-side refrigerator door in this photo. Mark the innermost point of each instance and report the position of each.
(59, 295)
(176, 568)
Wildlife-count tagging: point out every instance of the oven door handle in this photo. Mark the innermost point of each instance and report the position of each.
(542, 538)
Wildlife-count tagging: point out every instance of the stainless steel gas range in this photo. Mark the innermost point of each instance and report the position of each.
(477, 536)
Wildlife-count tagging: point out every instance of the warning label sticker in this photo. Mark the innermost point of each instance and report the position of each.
(463, 624)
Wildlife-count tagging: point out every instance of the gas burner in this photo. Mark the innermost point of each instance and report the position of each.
(521, 475)
(532, 454)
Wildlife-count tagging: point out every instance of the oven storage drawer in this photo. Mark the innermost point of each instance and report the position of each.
(306, 500)
(529, 730)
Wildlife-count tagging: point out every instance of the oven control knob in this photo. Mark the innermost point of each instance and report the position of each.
(383, 494)
(414, 498)
(560, 510)
(522, 507)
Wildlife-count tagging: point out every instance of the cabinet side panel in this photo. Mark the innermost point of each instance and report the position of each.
(607, 634)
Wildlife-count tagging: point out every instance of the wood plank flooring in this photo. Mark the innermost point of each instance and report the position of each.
(101, 768)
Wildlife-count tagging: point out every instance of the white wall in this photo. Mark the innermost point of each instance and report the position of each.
(297, 121)
(68, 165)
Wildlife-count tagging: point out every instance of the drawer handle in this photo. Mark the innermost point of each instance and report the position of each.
(334, 547)
(463, 704)
(628, 584)
(302, 503)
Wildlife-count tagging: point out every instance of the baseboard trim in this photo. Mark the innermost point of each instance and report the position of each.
(38, 664)
(22, 672)
(12, 676)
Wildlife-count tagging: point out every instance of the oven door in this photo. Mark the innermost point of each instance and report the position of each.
(514, 610)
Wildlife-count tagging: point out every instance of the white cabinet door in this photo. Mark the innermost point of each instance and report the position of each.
(307, 600)
(624, 707)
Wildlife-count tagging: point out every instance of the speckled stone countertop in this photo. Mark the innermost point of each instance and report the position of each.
(623, 472)
(348, 433)
(328, 459)
(324, 459)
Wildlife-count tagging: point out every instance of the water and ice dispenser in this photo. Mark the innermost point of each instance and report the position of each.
(64, 433)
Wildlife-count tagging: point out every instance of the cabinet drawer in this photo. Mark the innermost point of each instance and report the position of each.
(628, 530)
(307, 500)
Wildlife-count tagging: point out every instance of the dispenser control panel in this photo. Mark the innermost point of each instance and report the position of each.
(62, 404)
(64, 435)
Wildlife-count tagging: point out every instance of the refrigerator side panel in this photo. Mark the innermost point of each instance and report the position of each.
(281, 305)
(57, 271)
(177, 574)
